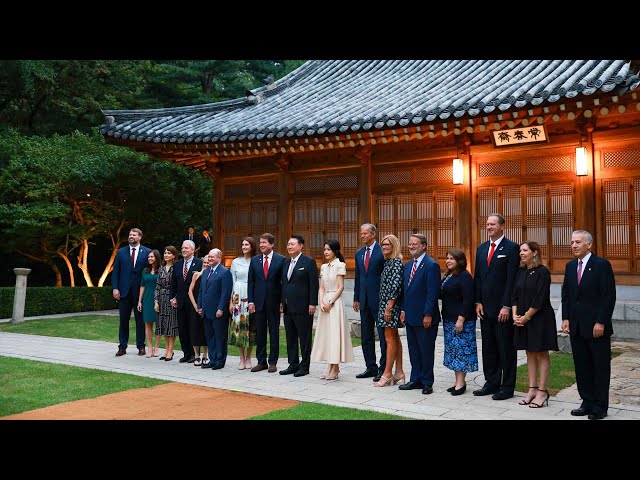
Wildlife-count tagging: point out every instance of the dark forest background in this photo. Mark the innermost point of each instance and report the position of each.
(67, 199)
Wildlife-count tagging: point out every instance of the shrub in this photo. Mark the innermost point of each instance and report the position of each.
(50, 300)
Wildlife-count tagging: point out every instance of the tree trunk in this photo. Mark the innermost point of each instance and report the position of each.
(115, 242)
(56, 270)
(83, 256)
(72, 277)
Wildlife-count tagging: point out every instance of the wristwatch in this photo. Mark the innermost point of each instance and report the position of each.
(330, 302)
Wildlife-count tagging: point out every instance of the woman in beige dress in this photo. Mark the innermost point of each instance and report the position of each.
(332, 342)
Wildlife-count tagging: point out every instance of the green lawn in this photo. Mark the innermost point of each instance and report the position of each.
(103, 328)
(317, 411)
(562, 373)
(27, 384)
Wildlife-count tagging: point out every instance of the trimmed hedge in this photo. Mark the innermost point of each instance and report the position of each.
(50, 300)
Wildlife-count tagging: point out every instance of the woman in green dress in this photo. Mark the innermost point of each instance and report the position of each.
(146, 300)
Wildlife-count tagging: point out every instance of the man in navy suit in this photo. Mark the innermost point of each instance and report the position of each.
(299, 302)
(192, 235)
(265, 295)
(182, 275)
(420, 313)
(588, 300)
(366, 299)
(497, 262)
(213, 306)
(125, 281)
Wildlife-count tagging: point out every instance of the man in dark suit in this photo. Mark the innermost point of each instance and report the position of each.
(205, 243)
(125, 281)
(588, 300)
(264, 296)
(192, 235)
(213, 306)
(497, 263)
(299, 301)
(182, 275)
(366, 299)
(420, 313)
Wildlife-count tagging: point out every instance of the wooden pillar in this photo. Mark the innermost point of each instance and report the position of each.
(284, 212)
(585, 202)
(464, 216)
(365, 212)
(218, 215)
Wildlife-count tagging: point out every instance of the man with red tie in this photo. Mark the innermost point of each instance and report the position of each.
(366, 297)
(588, 300)
(264, 295)
(125, 281)
(497, 263)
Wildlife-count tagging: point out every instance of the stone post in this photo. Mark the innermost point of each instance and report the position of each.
(20, 294)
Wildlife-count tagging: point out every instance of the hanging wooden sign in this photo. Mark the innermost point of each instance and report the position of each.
(519, 136)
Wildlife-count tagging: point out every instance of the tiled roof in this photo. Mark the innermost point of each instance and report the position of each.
(325, 97)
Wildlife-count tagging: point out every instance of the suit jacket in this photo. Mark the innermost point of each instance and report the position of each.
(180, 286)
(367, 284)
(205, 246)
(494, 283)
(265, 294)
(590, 302)
(124, 277)
(420, 298)
(302, 289)
(457, 298)
(195, 239)
(215, 292)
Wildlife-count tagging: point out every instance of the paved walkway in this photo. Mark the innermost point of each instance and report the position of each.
(347, 391)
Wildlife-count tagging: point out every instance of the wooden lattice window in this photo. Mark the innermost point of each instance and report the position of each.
(616, 211)
(621, 158)
(242, 219)
(429, 213)
(318, 219)
(322, 184)
(540, 213)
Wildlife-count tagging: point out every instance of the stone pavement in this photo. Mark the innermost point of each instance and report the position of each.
(347, 391)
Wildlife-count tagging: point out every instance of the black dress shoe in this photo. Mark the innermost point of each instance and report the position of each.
(485, 391)
(191, 359)
(501, 395)
(580, 412)
(217, 367)
(369, 372)
(288, 371)
(411, 386)
(597, 415)
(301, 373)
(377, 377)
(184, 360)
(460, 391)
(427, 390)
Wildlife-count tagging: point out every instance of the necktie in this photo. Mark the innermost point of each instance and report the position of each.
(190, 237)
(493, 249)
(579, 271)
(413, 269)
(133, 256)
(293, 262)
(367, 256)
(265, 266)
(184, 272)
(210, 272)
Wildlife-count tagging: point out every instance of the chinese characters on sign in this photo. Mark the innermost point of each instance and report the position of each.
(520, 135)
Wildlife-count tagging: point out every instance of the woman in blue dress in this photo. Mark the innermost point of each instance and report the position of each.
(458, 320)
(146, 300)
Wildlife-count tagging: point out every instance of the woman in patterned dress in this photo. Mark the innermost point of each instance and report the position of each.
(146, 301)
(389, 309)
(242, 330)
(167, 325)
(458, 320)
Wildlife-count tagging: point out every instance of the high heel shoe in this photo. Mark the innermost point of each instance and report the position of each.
(168, 359)
(332, 377)
(459, 391)
(400, 379)
(451, 389)
(524, 400)
(541, 404)
(384, 381)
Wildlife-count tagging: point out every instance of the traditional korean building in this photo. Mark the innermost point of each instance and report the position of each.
(552, 145)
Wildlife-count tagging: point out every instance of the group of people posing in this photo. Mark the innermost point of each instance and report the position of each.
(210, 307)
